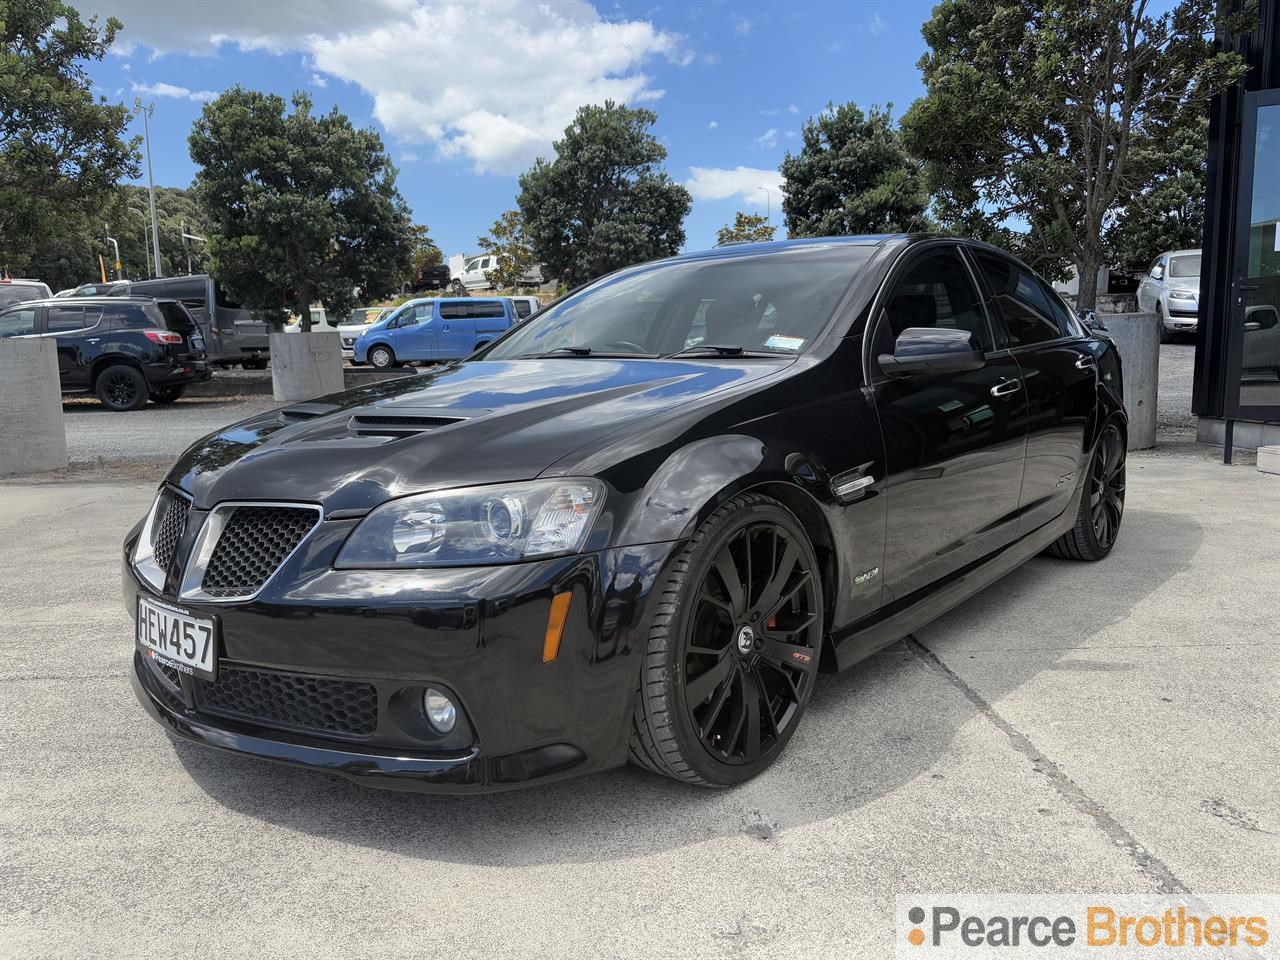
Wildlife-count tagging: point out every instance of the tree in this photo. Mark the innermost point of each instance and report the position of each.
(603, 203)
(852, 176)
(1034, 113)
(746, 228)
(61, 150)
(511, 251)
(1168, 214)
(302, 207)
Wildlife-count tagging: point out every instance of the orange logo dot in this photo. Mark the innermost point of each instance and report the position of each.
(915, 937)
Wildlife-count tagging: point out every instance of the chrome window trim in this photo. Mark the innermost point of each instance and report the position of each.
(144, 560)
(207, 539)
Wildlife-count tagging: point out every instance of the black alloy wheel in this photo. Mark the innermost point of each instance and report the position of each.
(1102, 503)
(121, 387)
(733, 657)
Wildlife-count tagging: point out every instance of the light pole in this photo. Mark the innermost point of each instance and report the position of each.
(768, 204)
(146, 244)
(190, 236)
(115, 247)
(151, 184)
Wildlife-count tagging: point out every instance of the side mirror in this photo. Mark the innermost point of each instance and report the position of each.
(1157, 272)
(932, 350)
(1090, 319)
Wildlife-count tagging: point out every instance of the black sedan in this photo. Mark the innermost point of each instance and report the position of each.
(632, 528)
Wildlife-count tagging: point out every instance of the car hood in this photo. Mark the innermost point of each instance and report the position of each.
(465, 423)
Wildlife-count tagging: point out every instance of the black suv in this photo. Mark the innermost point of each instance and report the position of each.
(124, 349)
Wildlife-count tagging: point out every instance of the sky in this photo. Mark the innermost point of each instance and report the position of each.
(467, 94)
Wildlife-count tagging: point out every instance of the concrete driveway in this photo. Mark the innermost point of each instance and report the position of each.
(1076, 728)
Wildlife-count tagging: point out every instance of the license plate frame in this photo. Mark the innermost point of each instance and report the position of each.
(166, 632)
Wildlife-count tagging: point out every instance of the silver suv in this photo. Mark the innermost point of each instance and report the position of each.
(1171, 290)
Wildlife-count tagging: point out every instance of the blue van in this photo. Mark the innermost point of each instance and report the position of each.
(432, 329)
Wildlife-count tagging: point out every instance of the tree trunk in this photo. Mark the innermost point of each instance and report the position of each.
(1087, 276)
(304, 307)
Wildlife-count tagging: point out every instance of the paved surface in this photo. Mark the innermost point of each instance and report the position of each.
(1174, 419)
(1110, 727)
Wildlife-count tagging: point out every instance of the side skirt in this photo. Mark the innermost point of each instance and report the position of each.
(873, 633)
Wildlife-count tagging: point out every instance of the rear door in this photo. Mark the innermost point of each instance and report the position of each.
(457, 337)
(954, 443)
(75, 329)
(1060, 378)
(492, 317)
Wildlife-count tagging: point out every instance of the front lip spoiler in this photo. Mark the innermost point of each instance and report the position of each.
(467, 772)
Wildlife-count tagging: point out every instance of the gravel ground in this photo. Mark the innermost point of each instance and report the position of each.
(1174, 419)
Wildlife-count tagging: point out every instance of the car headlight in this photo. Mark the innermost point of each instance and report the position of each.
(476, 525)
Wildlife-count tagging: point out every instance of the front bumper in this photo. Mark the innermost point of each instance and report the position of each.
(478, 632)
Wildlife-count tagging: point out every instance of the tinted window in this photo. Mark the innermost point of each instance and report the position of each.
(1186, 266)
(177, 288)
(777, 302)
(129, 316)
(11, 293)
(62, 319)
(523, 308)
(486, 309)
(1022, 300)
(1061, 313)
(176, 316)
(937, 291)
(18, 323)
(454, 311)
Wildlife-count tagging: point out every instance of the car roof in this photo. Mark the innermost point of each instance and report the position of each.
(732, 250)
(74, 301)
(1180, 253)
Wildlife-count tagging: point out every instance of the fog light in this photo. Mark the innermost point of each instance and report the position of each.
(440, 710)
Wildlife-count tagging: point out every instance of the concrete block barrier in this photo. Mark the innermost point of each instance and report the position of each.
(305, 365)
(33, 438)
(1137, 338)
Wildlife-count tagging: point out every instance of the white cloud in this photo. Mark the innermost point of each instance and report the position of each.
(742, 25)
(493, 82)
(317, 80)
(769, 113)
(408, 156)
(747, 183)
(791, 134)
(792, 108)
(712, 125)
(876, 25)
(767, 140)
(173, 91)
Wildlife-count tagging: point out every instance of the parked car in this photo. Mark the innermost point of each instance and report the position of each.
(232, 334)
(319, 321)
(592, 542)
(100, 289)
(21, 291)
(435, 277)
(354, 325)
(525, 307)
(473, 275)
(1171, 290)
(433, 330)
(126, 350)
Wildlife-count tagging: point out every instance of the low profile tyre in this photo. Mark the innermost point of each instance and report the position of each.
(1166, 335)
(733, 651)
(1101, 506)
(121, 387)
(168, 394)
(382, 358)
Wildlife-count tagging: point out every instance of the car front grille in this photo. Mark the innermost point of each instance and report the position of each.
(342, 707)
(253, 543)
(166, 533)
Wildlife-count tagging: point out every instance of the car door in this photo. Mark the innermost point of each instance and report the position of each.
(457, 327)
(491, 317)
(79, 343)
(954, 443)
(416, 336)
(1060, 377)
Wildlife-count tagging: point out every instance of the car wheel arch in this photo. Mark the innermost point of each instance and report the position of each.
(111, 360)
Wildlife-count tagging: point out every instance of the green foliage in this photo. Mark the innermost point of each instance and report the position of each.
(852, 176)
(746, 228)
(1169, 213)
(510, 248)
(423, 251)
(61, 151)
(603, 203)
(302, 208)
(1035, 112)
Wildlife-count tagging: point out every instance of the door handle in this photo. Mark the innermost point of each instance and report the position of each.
(1086, 363)
(1006, 387)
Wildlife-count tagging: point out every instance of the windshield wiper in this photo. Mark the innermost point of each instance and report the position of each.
(560, 352)
(724, 350)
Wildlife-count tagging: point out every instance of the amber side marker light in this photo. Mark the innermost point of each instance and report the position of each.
(555, 625)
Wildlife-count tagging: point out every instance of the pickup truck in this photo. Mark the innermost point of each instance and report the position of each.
(430, 329)
(435, 277)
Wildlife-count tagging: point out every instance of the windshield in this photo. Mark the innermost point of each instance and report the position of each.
(1188, 266)
(11, 293)
(775, 302)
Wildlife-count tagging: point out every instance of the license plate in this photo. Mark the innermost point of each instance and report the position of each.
(177, 639)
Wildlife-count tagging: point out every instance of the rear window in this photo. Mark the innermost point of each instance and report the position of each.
(487, 310)
(523, 308)
(1022, 301)
(131, 316)
(11, 293)
(63, 319)
(176, 317)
